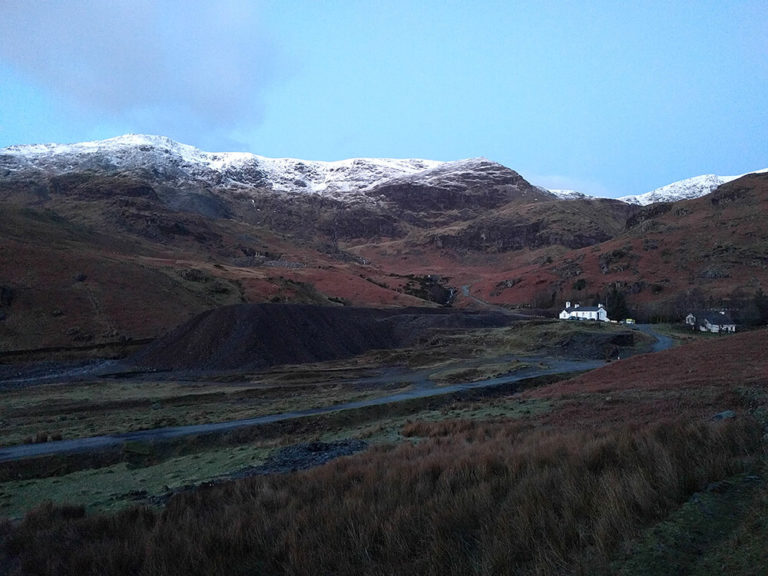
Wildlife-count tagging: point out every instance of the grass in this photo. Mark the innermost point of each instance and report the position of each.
(111, 407)
(121, 485)
(620, 471)
(395, 429)
(703, 536)
(482, 498)
(452, 374)
(147, 472)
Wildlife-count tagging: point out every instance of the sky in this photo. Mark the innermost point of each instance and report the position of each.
(608, 98)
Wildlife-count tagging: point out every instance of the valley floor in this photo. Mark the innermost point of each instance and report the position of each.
(488, 463)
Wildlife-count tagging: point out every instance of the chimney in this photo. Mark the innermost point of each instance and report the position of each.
(567, 305)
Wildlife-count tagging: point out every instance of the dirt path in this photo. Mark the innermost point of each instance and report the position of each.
(662, 342)
(422, 387)
(466, 291)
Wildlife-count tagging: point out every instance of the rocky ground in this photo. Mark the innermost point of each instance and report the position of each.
(254, 336)
(303, 456)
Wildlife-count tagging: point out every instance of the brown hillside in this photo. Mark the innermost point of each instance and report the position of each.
(148, 256)
(669, 259)
(699, 378)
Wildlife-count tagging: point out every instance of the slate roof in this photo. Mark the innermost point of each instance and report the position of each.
(715, 318)
(584, 308)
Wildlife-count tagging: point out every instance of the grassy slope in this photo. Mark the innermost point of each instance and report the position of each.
(109, 406)
(132, 251)
(90, 272)
(715, 244)
(482, 486)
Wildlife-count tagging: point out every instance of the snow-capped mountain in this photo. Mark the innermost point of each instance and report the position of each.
(129, 236)
(568, 194)
(682, 190)
(167, 164)
(160, 158)
(460, 173)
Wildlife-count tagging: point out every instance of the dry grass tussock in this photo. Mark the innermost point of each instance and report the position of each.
(466, 498)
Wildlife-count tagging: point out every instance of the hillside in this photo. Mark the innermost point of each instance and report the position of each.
(674, 257)
(127, 238)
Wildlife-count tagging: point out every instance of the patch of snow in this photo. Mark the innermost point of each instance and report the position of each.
(569, 194)
(356, 174)
(684, 189)
(459, 174)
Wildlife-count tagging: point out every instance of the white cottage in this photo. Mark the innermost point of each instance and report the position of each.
(711, 321)
(577, 312)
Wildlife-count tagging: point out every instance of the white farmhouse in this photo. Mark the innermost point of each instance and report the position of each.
(577, 312)
(711, 321)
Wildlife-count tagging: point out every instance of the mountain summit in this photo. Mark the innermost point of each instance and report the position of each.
(687, 189)
(161, 159)
(127, 237)
(158, 158)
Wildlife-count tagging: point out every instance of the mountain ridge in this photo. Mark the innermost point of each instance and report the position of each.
(338, 179)
(124, 242)
(243, 169)
(686, 189)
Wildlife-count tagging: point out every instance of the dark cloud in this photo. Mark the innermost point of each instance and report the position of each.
(181, 68)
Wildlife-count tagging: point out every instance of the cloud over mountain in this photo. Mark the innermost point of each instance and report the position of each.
(183, 68)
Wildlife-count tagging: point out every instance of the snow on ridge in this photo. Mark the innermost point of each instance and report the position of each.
(164, 155)
(166, 158)
(340, 175)
(450, 173)
(567, 194)
(683, 189)
(97, 145)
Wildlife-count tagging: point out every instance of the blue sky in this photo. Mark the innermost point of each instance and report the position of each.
(610, 98)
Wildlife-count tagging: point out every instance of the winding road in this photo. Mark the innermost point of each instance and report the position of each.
(422, 389)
